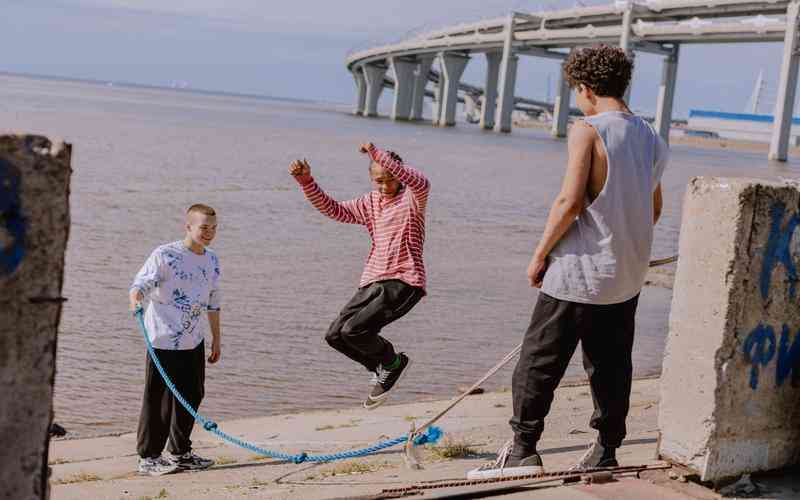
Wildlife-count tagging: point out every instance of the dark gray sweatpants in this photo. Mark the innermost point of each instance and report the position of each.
(162, 416)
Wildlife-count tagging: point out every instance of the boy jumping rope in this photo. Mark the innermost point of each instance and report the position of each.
(181, 279)
(393, 280)
(590, 264)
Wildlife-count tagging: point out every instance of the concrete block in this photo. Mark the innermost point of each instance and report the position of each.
(730, 386)
(34, 225)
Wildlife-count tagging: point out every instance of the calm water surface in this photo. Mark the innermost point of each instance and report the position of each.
(142, 156)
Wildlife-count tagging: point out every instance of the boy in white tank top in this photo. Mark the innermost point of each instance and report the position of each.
(590, 265)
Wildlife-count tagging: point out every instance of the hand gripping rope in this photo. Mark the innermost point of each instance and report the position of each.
(432, 435)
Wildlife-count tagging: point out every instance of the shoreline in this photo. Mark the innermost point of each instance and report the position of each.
(567, 382)
(105, 467)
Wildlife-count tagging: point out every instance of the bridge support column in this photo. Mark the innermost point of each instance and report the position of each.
(420, 81)
(626, 44)
(493, 60)
(787, 87)
(373, 75)
(561, 108)
(452, 69)
(666, 94)
(508, 80)
(361, 90)
(438, 93)
(403, 88)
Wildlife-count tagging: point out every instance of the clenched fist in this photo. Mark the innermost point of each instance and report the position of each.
(300, 168)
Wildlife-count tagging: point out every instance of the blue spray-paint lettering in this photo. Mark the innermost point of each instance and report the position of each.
(778, 250)
(788, 359)
(759, 348)
(12, 222)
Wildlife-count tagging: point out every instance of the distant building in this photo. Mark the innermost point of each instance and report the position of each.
(739, 126)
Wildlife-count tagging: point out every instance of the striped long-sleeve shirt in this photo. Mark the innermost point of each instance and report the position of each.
(396, 225)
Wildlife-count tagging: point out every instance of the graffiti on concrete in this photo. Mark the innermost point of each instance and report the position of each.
(13, 225)
(778, 250)
(761, 347)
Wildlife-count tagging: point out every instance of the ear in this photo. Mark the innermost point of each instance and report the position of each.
(590, 95)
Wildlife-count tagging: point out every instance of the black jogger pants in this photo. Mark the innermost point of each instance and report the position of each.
(606, 334)
(355, 333)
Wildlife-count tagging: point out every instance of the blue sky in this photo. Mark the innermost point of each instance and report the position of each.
(297, 49)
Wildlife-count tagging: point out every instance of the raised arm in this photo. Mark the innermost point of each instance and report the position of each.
(414, 179)
(349, 212)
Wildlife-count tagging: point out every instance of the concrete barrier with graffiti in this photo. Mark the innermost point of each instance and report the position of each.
(730, 387)
(34, 226)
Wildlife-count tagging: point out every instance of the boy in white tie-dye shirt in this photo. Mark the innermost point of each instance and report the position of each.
(181, 279)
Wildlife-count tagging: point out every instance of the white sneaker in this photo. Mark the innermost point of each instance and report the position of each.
(157, 466)
(508, 465)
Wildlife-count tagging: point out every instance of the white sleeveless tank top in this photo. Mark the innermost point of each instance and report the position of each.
(603, 257)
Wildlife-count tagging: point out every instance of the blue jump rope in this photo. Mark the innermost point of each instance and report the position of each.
(431, 435)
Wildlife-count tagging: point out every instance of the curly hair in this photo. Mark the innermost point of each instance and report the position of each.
(604, 69)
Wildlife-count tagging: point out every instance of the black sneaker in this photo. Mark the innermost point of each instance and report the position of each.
(385, 382)
(510, 462)
(190, 461)
(595, 457)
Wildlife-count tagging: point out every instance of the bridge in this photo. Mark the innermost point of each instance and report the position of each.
(657, 26)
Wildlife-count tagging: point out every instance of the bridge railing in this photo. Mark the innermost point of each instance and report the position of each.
(596, 16)
(439, 27)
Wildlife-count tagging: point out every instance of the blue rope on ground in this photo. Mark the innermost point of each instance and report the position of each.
(431, 435)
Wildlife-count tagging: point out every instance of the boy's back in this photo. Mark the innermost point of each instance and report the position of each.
(590, 263)
(603, 257)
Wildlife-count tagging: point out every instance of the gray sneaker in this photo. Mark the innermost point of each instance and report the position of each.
(595, 457)
(157, 466)
(508, 464)
(190, 461)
